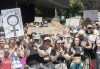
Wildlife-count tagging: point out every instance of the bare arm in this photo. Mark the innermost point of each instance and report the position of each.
(66, 44)
(20, 52)
(66, 56)
(41, 53)
(90, 44)
(53, 58)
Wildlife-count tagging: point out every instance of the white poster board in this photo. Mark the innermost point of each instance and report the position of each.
(67, 22)
(92, 14)
(75, 22)
(38, 19)
(72, 22)
(12, 22)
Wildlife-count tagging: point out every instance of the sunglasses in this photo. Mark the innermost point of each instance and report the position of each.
(89, 28)
(47, 40)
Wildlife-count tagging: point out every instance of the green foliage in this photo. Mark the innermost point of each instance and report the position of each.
(76, 7)
(61, 12)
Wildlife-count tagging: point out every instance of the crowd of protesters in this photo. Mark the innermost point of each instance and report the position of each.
(78, 50)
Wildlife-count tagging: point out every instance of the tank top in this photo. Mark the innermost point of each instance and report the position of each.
(16, 61)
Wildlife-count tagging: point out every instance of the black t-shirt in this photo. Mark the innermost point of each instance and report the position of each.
(42, 47)
(60, 58)
(33, 58)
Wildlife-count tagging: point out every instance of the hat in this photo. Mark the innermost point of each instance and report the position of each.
(89, 26)
(47, 38)
(37, 37)
(81, 32)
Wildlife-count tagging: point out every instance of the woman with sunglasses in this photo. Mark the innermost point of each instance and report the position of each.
(59, 56)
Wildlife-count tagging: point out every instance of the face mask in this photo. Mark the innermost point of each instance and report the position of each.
(6, 51)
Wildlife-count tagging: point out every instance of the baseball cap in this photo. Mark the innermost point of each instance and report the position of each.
(89, 26)
(81, 32)
(47, 38)
(37, 37)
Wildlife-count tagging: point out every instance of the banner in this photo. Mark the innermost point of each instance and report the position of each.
(12, 22)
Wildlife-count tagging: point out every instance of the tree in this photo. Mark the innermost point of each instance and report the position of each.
(76, 7)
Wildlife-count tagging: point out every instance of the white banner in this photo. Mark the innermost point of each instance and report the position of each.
(12, 22)
(92, 14)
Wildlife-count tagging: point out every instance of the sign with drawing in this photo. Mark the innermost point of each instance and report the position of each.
(12, 22)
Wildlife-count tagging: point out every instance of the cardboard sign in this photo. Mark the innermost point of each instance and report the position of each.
(12, 22)
(92, 14)
(86, 22)
(45, 30)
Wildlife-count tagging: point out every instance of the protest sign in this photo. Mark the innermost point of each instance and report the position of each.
(12, 22)
(92, 14)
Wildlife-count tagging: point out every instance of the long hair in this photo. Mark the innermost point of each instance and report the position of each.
(73, 43)
(55, 46)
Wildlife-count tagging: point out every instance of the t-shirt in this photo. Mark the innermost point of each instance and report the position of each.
(6, 63)
(33, 57)
(47, 50)
(1, 56)
(60, 58)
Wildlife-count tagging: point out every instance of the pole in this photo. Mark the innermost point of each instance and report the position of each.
(55, 12)
(16, 3)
